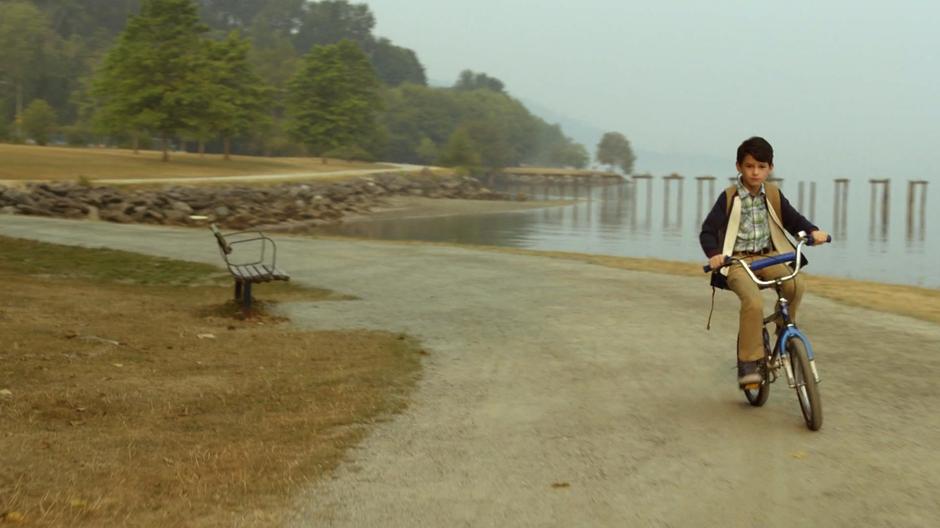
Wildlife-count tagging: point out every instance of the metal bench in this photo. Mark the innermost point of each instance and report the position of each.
(253, 262)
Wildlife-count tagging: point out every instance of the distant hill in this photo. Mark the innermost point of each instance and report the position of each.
(650, 161)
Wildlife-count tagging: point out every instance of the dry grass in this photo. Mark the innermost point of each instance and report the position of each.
(911, 301)
(148, 405)
(26, 162)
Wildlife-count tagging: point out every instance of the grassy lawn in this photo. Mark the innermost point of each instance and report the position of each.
(130, 394)
(27, 162)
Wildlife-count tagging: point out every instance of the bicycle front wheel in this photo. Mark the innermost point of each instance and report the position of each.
(807, 392)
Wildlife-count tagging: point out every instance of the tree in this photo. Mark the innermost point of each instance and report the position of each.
(396, 65)
(470, 80)
(570, 154)
(88, 17)
(614, 150)
(330, 21)
(460, 151)
(39, 121)
(276, 21)
(239, 97)
(153, 78)
(427, 151)
(334, 99)
(25, 40)
(227, 15)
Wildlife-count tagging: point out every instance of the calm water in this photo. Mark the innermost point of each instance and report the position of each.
(650, 218)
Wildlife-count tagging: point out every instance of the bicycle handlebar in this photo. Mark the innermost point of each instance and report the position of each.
(810, 241)
(804, 239)
(707, 267)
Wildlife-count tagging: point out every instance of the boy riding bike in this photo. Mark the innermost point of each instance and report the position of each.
(750, 221)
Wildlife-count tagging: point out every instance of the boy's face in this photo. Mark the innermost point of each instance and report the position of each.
(753, 172)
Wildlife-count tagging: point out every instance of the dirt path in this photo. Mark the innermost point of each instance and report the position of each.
(559, 393)
(293, 176)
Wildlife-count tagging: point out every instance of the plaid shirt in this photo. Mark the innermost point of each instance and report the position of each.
(754, 231)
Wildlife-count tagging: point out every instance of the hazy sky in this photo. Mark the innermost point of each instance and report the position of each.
(840, 88)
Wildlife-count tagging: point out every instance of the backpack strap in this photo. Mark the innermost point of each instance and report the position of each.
(730, 193)
(770, 190)
(773, 197)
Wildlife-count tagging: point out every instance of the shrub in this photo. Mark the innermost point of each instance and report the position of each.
(39, 121)
(349, 152)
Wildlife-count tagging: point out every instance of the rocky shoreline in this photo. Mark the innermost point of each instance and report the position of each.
(237, 207)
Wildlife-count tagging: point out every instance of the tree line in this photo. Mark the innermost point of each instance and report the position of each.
(271, 77)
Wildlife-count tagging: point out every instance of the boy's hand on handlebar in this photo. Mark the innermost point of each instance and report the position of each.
(820, 237)
(716, 261)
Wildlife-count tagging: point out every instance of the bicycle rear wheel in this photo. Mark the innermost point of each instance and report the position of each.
(807, 392)
(758, 397)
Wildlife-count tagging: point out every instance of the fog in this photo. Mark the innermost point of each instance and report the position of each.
(840, 88)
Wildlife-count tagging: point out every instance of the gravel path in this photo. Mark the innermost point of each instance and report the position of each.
(387, 168)
(558, 393)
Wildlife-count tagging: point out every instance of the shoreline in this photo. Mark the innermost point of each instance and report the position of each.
(901, 299)
(408, 207)
(911, 301)
(914, 301)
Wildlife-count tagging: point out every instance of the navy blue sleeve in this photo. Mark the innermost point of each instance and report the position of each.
(713, 228)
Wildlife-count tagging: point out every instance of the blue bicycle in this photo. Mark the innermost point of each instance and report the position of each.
(792, 350)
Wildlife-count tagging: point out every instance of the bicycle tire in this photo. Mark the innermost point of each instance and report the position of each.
(757, 398)
(807, 392)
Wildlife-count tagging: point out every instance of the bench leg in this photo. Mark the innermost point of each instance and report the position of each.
(238, 290)
(246, 299)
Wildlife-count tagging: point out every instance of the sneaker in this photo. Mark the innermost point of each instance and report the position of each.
(749, 373)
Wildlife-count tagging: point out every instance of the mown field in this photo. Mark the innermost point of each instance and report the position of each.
(133, 394)
(28, 162)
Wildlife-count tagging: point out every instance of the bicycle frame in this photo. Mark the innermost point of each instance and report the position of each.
(788, 329)
(784, 334)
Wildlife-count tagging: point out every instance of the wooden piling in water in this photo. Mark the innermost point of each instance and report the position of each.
(913, 186)
(840, 207)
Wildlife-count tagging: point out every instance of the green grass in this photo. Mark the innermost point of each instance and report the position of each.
(109, 266)
(104, 265)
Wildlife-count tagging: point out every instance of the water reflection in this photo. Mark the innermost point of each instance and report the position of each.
(916, 211)
(647, 181)
(840, 209)
(879, 210)
(808, 209)
(672, 222)
(617, 219)
(703, 202)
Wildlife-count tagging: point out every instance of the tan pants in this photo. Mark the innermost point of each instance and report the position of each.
(750, 337)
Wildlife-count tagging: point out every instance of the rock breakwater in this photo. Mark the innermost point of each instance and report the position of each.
(235, 207)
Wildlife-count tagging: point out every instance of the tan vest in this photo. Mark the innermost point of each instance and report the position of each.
(778, 235)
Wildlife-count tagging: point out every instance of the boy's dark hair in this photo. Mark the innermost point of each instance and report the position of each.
(758, 148)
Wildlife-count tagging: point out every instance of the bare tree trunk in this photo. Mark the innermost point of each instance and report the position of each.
(135, 138)
(202, 148)
(166, 146)
(227, 146)
(19, 109)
